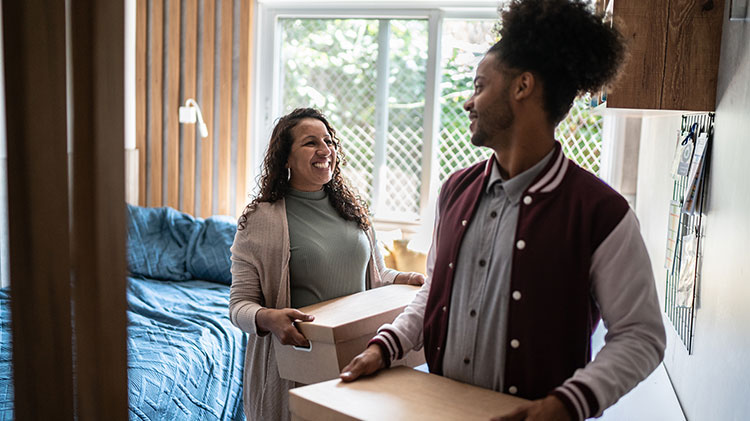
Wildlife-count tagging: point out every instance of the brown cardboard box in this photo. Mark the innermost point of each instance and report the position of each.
(341, 330)
(398, 394)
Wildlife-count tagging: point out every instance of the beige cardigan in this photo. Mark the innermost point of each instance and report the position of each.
(260, 278)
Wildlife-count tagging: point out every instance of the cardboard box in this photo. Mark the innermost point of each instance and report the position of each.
(341, 330)
(399, 393)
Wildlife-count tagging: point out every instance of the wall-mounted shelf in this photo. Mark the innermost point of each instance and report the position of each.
(674, 50)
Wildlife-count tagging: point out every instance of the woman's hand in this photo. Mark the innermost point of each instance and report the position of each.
(409, 278)
(280, 322)
(368, 362)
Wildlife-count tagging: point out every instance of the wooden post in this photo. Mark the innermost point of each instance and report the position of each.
(99, 262)
(34, 42)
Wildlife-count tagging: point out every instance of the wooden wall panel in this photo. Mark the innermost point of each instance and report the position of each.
(173, 103)
(156, 76)
(98, 180)
(167, 85)
(188, 89)
(243, 105)
(207, 144)
(141, 63)
(34, 48)
(225, 106)
(692, 66)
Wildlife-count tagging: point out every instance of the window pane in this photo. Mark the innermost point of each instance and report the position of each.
(329, 64)
(464, 44)
(406, 80)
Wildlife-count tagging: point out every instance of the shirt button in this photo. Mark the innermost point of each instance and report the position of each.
(516, 295)
(521, 244)
(466, 360)
(445, 308)
(464, 222)
(450, 265)
(512, 390)
(473, 313)
(438, 349)
(482, 262)
(514, 343)
(527, 200)
(493, 214)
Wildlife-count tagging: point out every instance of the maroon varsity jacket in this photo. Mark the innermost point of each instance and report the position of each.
(563, 217)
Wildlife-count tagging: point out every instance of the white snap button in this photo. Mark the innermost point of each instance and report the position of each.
(450, 265)
(527, 200)
(464, 222)
(516, 295)
(512, 390)
(514, 343)
(438, 349)
(521, 244)
(445, 308)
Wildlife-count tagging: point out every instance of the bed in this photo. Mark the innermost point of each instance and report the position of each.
(185, 359)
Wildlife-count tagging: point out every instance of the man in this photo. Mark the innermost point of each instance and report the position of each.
(530, 250)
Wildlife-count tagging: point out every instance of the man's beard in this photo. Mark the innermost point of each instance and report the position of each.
(502, 123)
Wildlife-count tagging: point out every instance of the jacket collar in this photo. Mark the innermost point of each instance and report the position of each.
(549, 178)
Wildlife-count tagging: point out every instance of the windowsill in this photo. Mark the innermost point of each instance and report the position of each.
(408, 227)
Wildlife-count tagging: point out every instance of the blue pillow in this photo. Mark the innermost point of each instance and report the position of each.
(166, 244)
(208, 253)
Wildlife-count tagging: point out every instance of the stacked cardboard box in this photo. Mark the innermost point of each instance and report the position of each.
(398, 393)
(341, 330)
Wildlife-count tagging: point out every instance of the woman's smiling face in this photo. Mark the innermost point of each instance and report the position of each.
(312, 158)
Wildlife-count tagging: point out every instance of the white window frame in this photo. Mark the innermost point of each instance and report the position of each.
(267, 83)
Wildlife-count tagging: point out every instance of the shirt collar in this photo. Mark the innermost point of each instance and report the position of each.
(515, 186)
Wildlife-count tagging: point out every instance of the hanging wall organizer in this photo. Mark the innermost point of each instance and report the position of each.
(686, 223)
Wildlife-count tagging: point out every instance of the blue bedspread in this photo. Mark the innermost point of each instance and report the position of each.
(185, 359)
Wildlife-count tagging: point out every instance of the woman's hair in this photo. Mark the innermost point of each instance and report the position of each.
(571, 49)
(274, 180)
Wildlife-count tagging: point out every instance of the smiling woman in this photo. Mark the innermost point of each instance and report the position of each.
(304, 239)
(312, 159)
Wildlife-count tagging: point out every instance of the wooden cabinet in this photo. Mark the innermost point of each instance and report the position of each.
(674, 50)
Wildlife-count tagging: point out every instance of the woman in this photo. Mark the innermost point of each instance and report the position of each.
(305, 238)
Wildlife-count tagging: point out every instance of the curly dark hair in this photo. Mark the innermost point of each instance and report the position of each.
(564, 43)
(274, 181)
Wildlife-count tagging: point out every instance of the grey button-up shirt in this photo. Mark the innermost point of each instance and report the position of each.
(476, 343)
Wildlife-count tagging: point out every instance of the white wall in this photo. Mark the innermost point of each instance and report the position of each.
(714, 382)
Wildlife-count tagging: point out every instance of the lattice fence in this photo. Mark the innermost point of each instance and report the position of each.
(331, 64)
(580, 134)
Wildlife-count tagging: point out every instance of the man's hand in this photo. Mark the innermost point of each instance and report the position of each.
(409, 278)
(280, 322)
(547, 409)
(368, 362)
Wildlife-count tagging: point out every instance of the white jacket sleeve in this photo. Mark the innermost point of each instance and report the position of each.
(406, 332)
(623, 287)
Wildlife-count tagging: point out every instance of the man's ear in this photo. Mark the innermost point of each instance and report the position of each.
(525, 84)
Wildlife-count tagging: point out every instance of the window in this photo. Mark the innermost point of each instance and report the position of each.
(393, 83)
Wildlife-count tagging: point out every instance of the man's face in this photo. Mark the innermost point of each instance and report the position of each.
(489, 107)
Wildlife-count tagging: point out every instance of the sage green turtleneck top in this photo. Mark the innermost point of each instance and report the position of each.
(329, 255)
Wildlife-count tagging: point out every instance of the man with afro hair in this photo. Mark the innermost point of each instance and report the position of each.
(530, 251)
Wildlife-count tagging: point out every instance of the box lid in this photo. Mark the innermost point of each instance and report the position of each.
(400, 393)
(347, 317)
